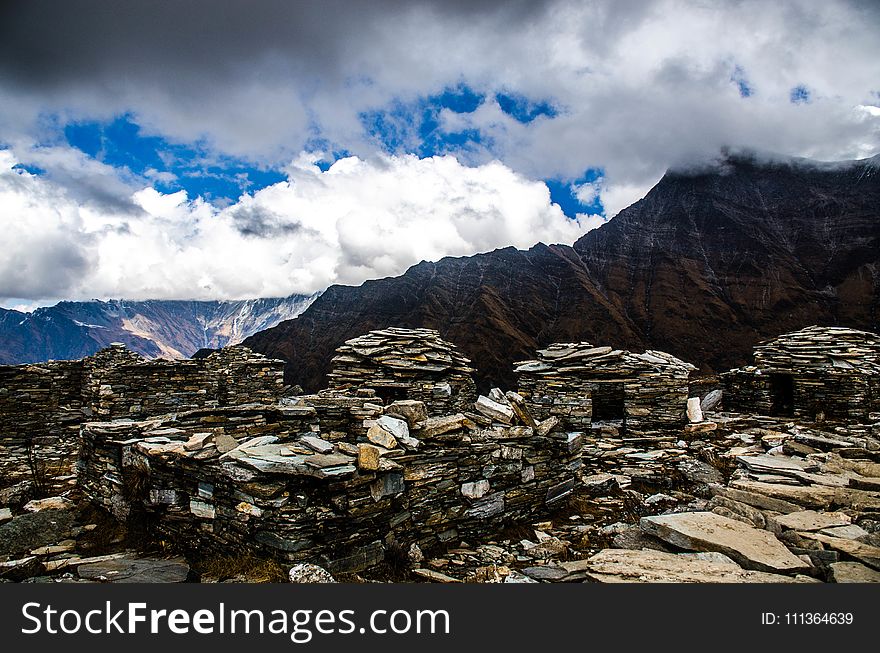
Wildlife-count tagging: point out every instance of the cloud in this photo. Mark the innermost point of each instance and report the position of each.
(634, 86)
(629, 88)
(358, 220)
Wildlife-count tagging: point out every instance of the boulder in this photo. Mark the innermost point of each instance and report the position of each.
(308, 573)
(35, 529)
(494, 410)
(705, 531)
(710, 401)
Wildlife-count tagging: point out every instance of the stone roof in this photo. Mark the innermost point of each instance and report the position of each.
(835, 349)
(399, 352)
(583, 357)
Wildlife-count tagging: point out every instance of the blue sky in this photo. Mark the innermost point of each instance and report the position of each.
(400, 127)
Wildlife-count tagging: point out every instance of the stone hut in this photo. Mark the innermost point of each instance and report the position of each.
(121, 383)
(413, 364)
(580, 383)
(818, 371)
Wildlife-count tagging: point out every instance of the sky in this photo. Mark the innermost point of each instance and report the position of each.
(224, 150)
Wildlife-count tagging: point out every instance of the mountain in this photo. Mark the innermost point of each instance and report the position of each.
(154, 328)
(708, 263)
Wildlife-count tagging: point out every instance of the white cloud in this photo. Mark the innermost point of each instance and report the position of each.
(360, 219)
(641, 85)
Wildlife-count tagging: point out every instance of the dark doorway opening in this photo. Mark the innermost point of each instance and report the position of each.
(390, 394)
(781, 394)
(608, 402)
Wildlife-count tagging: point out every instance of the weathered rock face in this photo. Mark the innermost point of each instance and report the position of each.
(703, 267)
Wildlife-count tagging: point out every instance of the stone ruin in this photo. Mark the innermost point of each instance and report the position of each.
(579, 383)
(343, 477)
(411, 364)
(829, 372)
(398, 450)
(247, 479)
(43, 405)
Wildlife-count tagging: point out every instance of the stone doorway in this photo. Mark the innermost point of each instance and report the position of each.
(781, 395)
(608, 402)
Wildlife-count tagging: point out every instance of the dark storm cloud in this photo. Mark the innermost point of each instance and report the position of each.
(45, 43)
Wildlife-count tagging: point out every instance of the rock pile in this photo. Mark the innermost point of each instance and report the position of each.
(411, 364)
(579, 383)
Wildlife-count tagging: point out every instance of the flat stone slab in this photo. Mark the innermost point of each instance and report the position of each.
(864, 553)
(705, 531)
(434, 576)
(815, 496)
(775, 464)
(810, 520)
(853, 572)
(628, 566)
(848, 532)
(136, 570)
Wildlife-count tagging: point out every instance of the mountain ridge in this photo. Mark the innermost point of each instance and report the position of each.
(153, 328)
(708, 263)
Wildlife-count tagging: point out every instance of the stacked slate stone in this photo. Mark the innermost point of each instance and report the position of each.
(411, 364)
(40, 412)
(291, 494)
(832, 371)
(569, 380)
(342, 414)
(120, 383)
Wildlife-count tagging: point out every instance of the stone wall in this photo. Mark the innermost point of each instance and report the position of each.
(300, 497)
(120, 383)
(828, 394)
(343, 415)
(40, 412)
(43, 405)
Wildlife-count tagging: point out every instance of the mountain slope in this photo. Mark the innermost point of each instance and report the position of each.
(156, 328)
(707, 264)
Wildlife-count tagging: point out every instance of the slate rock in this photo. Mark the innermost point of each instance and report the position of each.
(705, 531)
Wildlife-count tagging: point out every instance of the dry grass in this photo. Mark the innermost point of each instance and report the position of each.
(249, 569)
(135, 482)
